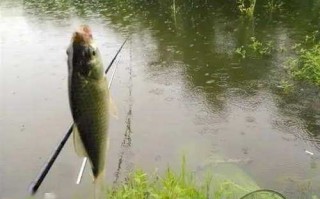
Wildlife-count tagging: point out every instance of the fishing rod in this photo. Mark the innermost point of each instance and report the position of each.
(84, 161)
(36, 184)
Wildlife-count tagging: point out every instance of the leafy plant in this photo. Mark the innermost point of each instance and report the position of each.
(255, 47)
(307, 65)
(241, 51)
(261, 48)
(273, 6)
(247, 10)
(286, 86)
(184, 185)
(311, 39)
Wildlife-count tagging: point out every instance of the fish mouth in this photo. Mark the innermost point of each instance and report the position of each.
(83, 35)
(82, 52)
(83, 41)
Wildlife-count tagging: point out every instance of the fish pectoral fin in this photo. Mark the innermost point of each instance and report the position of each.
(113, 111)
(77, 143)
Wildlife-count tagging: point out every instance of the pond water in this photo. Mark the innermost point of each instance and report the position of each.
(180, 89)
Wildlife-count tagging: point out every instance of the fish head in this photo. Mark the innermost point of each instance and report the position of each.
(83, 54)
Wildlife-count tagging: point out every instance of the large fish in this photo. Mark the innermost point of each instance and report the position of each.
(88, 96)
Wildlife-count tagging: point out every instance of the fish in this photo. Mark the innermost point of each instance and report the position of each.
(89, 99)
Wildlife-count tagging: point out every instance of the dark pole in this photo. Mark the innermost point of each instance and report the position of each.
(36, 184)
(114, 58)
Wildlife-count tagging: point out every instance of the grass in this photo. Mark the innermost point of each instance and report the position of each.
(306, 65)
(139, 185)
(184, 185)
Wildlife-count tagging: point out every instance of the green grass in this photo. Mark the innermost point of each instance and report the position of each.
(140, 185)
(246, 8)
(182, 185)
(306, 66)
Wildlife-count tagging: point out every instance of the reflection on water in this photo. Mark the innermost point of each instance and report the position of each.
(192, 93)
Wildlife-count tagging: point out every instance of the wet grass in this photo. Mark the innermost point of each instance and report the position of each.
(178, 185)
(246, 8)
(306, 66)
(140, 185)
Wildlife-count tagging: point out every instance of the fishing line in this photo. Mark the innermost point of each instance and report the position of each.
(126, 142)
(114, 58)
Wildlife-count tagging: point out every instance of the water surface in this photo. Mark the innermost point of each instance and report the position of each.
(180, 89)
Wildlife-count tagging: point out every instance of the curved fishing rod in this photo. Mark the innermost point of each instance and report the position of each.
(36, 184)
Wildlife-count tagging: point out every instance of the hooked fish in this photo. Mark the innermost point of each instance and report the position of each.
(88, 97)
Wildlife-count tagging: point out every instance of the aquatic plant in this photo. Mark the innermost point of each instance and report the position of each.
(241, 51)
(273, 6)
(306, 66)
(246, 10)
(312, 38)
(286, 86)
(261, 48)
(255, 47)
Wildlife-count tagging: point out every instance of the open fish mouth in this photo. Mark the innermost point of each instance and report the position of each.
(82, 44)
(82, 35)
(83, 54)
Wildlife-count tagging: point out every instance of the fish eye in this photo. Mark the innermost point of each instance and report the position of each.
(93, 52)
(67, 52)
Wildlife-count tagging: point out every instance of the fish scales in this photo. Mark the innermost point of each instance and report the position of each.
(89, 113)
(88, 96)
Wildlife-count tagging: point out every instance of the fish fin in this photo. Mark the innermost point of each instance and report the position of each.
(77, 143)
(113, 110)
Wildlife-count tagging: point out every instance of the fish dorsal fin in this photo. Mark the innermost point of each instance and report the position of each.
(77, 142)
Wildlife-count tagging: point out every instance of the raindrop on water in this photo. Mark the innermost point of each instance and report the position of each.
(210, 81)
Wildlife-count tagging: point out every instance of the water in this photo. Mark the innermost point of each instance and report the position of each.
(179, 89)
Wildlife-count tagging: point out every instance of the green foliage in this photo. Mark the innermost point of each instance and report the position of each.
(241, 51)
(261, 48)
(306, 66)
(311, 39)
(246, 10)
(286, 87)
(183, 185)
(139, 185)
(273, 6)
(255, 47)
